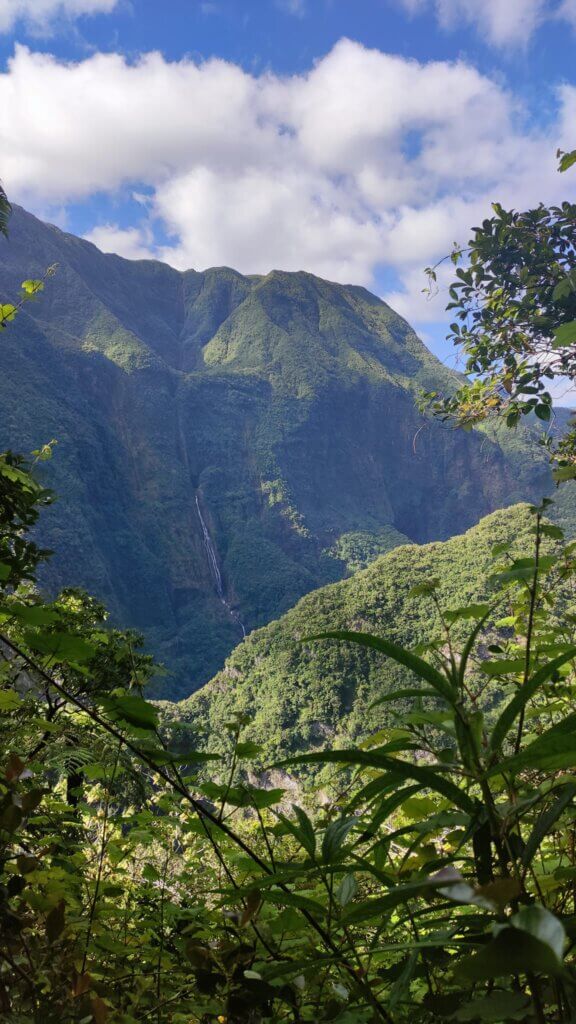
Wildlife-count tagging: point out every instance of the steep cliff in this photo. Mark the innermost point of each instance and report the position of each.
(226, 443)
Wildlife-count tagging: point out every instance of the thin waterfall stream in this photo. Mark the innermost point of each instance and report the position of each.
(212, 559)
(209, 546)
(215, 569)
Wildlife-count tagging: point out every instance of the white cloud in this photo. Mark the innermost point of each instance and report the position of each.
(568, 11)
(39, 14)
(259, 219)
(296, 7)
(132, 243)
(367, 160)
(500, 22)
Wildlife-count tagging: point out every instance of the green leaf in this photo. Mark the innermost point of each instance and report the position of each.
(424, 589)
(562, 473)
(524, 569)
(31, 287)
(389, 804)
(563, 289)
(398, 654)
(17, 476)
(395, 897)
(347, 890)
(543, 925)
(150, 873)
(549, 530)
(334, 838)
(304, 831)
(499, 1006)
(62, 647)
(292, 899)
(426, 775)
(545, 823)
(8, 700)
(554, 751)
(565, 335)
(243, 796)
(7, 312)
(55, 922)
(160, 756)
(469, 646)
(399, 694)
(521, 698)
(133, 710)
(470, 611)
(31, 614)
(382, 905)
(503, 667)
(248, 749)
(513, 951)
(262, 798)
(567, 160)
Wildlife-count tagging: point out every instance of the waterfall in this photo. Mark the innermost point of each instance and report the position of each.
(210, 549)
(215, 569)
(212, 559)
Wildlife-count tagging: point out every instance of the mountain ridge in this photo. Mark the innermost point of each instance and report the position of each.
(278, 410)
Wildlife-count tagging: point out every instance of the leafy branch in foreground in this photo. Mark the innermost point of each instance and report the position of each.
(514, 307)
(29, 291)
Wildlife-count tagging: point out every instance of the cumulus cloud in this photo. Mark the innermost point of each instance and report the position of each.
(132, 243)
(500, 22)
(367, 161)
(39, 14)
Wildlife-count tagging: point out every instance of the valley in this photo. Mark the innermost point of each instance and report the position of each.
(227, 444)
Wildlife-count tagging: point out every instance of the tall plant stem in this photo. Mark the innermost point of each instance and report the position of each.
(102, 851)
(530, 627)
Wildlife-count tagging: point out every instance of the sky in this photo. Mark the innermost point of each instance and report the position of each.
(355, 139)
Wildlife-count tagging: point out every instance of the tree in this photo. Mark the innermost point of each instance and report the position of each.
(514, 308)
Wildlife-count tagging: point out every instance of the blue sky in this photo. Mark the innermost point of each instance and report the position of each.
(356, 139)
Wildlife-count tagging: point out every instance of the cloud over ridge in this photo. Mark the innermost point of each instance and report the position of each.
(366, 160)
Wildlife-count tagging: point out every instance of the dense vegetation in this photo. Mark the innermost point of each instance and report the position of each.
(431, 878)
(285, 404)
(302, 696)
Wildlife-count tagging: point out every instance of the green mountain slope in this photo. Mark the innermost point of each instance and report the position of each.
(227, 444)
(302, 696)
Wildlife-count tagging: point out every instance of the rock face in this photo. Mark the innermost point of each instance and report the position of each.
(226, 443)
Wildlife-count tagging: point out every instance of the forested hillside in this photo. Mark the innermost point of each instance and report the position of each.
(306, 695)
(227, 444)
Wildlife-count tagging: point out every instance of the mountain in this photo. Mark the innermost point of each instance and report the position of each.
(227, 444)
(305, 696)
